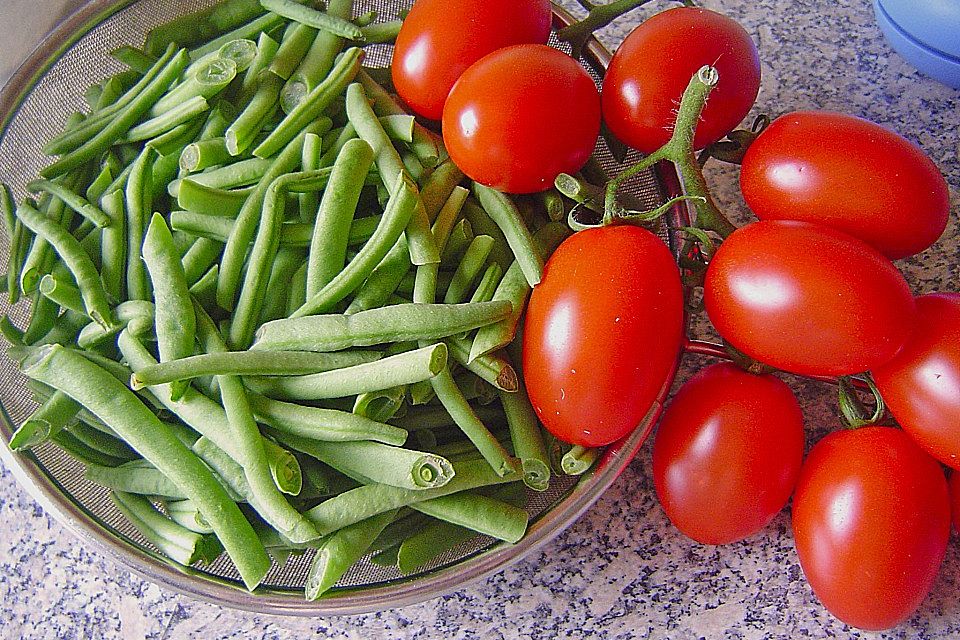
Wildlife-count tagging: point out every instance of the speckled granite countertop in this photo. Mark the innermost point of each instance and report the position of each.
(622, 571)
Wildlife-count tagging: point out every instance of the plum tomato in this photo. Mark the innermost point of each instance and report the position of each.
(602, 333)
(921, 385)
(807, 298)
(727, 453)
(652, 67)
(441, 38)
(847, 173)
(520, 116)
(871, 519)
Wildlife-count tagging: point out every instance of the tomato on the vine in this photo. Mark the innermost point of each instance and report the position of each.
(727, 453)
(871, 519)
(441, 38)
(807, 298)
(602, 334)
(847, 173)
(651, 68)
(520, 116)
(921, 385)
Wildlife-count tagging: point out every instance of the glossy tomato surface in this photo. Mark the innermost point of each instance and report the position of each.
(921, 385)
(654, 64)
(848, 173)
(520, 116)
(871, 518)
(727, 453)
(602, 333)
(441, 38)
(808, 299)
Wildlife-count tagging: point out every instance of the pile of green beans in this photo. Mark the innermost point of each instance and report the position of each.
(268, 313)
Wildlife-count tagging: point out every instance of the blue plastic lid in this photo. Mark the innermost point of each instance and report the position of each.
(926, 59)
(933, 23)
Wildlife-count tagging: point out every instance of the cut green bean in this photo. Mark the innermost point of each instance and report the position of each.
(491, 367)
(403, 368)
(63, 292)
(480, 513)
(437, 417)
(267, 49)
(137, 477)
(288, 260)
(505, 214)
(205, 81)
(75, 257)
(312, 105)
(381, 32)
(427, 542)
(180, 114)
(134, 58)
(244, 363)
(316, 19)
(294, 46)
(340, 551)
(380, 405)
(73, 200)
(56, 413)
(488, 283)
(175, 321)
(241, 134)
(204, 154)
(298, 289)
(186, 514)
(177, 542)
(139, 204)
(527, 439)
(318, 60)
(396, 323)
(328, 247)
(246, 31)
(310, 161)
(113, 245)
(200, 198)
(112, 402)
(578, 460)
(327, 425)
(470, 267)
(199, 258)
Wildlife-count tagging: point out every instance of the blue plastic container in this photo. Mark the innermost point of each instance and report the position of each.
(926, 33)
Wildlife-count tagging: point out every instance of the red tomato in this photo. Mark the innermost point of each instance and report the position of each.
(921, 385)
(808, 299)
(651, 69)
(520, 116)
(727, 453)
(602, 333)
(871, 518)
(441, 38)
(850, 174)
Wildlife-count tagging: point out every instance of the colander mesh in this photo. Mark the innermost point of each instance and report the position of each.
(41, 115)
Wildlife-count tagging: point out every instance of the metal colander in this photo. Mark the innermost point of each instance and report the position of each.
(33, 107)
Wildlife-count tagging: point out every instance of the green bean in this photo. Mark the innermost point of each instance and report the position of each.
(63, 292)
(294, 46)
(328, 247)
(578, 460)
(437, 417)
(481, 224)
(42, 319)
(403, 202)
(327, 425)
(310, 161)
(205, 153)
(312, 105)
(488, 283)
(73, 200)
(117, 406)
(288, 260)
(396, 323)
(414, 169)
(206, 226)
(235, 251)
(180, 114)
(81, 452)
(205, 80)
(12, 333)
(267, 48)
(368, 500)
(186, 514)
(204, 290)
(460, 238)
(377, 462)
(298, 289)
(137, 477)
(74, 137)
(480, 513)
(527, 439)
(428, 542)
(242, 52)
(203, 24)
(139, 204)
(19, 245)
(134, 58)
(241, 134)
(200, 198)
(475, 388)
(175, 541)
(405, 524)
(505, 214)
(77, 261)
(263, 24)
(380, 405)
(340, 551)
(465, 275)
(121, 123)
(317, 61)
(56, 413)
(344, 135)
(174, 319)
(102, 440)
(381, 32)
(98, 187)
(169, 146)
(242, 173)
(135, 315)
(407, 285)
(514, 287)
(420, 243)
(39, 258)
(284, 363)
(199, 257)
(316, 19)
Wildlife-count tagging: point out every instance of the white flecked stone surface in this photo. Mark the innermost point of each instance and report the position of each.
(622, 571)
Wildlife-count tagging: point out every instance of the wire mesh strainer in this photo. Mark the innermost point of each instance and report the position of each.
(33, 107)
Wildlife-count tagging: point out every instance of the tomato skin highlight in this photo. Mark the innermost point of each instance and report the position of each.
(441, 38)
(640, 98)
(921, 385)
(850, 174)
(602, 333)
(871, 520)
(520, 116)
(808, 299)
(727, 453)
